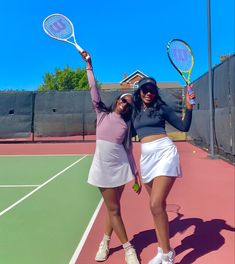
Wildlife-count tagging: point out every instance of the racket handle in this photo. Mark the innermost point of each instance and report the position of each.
(78, 48)
(190, 91)
(81, 50)
(87, 57)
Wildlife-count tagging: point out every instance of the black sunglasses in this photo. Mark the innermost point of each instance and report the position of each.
(124, 101)
(146, 90)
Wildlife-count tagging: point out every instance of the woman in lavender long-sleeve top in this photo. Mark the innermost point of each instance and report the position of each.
(113, 164)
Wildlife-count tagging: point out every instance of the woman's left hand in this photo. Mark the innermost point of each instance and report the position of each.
(188, 98)
(137, 187)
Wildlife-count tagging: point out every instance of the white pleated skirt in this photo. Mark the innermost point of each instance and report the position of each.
(159, 158)
(110, 166)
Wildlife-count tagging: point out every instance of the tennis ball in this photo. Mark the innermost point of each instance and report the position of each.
(135, 187)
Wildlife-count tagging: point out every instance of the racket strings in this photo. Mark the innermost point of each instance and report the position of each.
(181, 56)
(58, 27)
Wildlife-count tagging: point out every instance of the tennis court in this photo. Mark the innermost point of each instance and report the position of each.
(50, 215)
(45, 205)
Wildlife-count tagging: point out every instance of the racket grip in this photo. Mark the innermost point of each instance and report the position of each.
(81, 50)
(87, 57)
(190, 91)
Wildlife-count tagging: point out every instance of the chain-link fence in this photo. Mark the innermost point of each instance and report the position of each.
(223, 77)
(57, 114)
(36, 115)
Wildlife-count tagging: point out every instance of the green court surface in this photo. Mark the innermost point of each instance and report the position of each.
(45, 207)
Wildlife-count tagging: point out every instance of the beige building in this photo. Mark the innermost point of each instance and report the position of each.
(130, 81)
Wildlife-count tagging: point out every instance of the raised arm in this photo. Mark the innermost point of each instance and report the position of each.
(94, 91)
(176, 121)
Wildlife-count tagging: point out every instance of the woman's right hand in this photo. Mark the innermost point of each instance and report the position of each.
(86, 57)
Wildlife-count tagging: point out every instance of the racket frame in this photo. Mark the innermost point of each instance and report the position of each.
(181, 72)
(78, 47)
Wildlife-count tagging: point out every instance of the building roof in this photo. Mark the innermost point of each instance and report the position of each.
(132, 79)
(133, 75)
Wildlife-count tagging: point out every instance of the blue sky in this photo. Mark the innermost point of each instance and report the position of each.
(121, 36)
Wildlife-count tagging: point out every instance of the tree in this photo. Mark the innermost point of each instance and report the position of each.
(65, 80)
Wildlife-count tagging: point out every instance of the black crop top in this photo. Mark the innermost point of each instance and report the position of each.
(146, 125)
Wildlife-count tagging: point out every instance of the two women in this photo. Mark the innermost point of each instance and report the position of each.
(113, 164)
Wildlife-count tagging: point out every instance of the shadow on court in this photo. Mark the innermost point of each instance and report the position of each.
(205, 238)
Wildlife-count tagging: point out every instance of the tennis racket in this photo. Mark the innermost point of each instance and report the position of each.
(181, 57)
(59, 27)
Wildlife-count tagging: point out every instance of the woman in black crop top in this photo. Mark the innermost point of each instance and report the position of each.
(159, 163)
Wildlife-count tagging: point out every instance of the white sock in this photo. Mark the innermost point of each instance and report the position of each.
(106, 238)
(126, 245)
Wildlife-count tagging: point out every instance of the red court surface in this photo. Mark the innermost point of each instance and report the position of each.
(202, 232)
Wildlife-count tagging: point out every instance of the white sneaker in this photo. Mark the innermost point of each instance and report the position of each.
(158, 258)
(130, 256)
(168, 258)
(103, 251)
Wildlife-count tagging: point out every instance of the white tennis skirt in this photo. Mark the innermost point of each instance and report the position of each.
(159, 158)
(110, 166)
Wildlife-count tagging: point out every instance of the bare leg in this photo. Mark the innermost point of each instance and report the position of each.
(114, 221)
(158, 190)
(108, 225)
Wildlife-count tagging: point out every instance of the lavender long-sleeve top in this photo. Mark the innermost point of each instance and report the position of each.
(110, 126)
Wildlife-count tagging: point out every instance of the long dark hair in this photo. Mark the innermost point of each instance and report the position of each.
(155, 105)
(126, 116)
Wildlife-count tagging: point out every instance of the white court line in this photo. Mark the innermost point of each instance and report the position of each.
(46, 155)
(18, 186)
(39, 187)
(86, 233)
